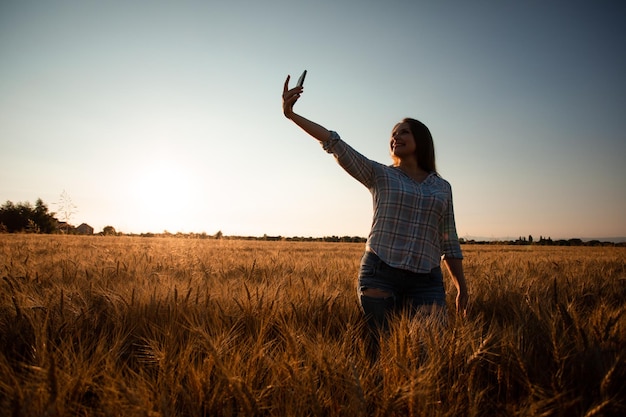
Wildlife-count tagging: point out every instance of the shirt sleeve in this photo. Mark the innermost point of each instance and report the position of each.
(355, 164)
(449, 239)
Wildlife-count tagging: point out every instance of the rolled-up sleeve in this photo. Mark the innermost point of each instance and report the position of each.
(358, 166)
(450, 246)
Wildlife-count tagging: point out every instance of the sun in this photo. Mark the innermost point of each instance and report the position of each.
(163, 194)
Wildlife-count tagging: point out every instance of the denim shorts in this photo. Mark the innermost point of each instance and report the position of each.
(408, 290)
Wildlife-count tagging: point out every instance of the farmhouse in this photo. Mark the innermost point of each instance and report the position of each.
(84, 229)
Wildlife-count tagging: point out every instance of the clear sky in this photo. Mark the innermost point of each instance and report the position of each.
(162, 115)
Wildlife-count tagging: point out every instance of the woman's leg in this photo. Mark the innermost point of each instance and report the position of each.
(376, 297)
(426, 297)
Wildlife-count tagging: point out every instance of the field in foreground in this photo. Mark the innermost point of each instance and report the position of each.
(172, 327)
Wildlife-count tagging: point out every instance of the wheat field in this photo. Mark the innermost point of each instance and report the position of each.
(129, 326)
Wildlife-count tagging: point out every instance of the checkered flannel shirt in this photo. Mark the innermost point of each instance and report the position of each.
(413, 225)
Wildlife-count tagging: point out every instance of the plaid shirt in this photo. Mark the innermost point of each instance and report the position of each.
(413, 224)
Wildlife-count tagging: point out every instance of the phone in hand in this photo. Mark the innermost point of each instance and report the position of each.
(301, 79)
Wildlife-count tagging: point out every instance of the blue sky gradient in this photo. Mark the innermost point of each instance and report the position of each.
(160, 116)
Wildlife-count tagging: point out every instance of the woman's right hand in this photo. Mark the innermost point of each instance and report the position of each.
(290, 97)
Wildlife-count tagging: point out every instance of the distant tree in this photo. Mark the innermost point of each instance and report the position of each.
(22, 217)
(109, 231)
(11, 217)
(67, 209)
(530, 239)
(545, 241)
(45, 221)
(521, 241)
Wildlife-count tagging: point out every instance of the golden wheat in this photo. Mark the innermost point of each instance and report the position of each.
(167, 327)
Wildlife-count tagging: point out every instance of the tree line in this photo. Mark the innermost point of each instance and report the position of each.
(23, 217)
(26, 218)
(543, 241)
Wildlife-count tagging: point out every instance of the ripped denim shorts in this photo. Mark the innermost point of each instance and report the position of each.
(406, 290)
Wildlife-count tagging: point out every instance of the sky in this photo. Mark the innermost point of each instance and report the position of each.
(157, 116)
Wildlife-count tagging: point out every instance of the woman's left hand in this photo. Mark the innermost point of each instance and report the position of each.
(462, 298)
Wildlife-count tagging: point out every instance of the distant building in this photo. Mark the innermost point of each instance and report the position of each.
(64, 227)
(84, 229)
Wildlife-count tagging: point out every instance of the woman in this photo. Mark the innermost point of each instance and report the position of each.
(413, 226)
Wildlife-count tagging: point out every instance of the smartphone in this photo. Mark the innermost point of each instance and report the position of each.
(301, 79)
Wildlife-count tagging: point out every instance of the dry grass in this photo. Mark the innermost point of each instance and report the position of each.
(172, 327)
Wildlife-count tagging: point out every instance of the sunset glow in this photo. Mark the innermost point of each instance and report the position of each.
(166, 116)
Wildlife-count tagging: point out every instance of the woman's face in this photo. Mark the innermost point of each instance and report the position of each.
(402, 141)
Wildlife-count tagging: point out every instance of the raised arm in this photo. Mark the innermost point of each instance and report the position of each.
(290, 96)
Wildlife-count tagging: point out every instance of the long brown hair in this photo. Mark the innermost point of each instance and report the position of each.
(424, 145)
